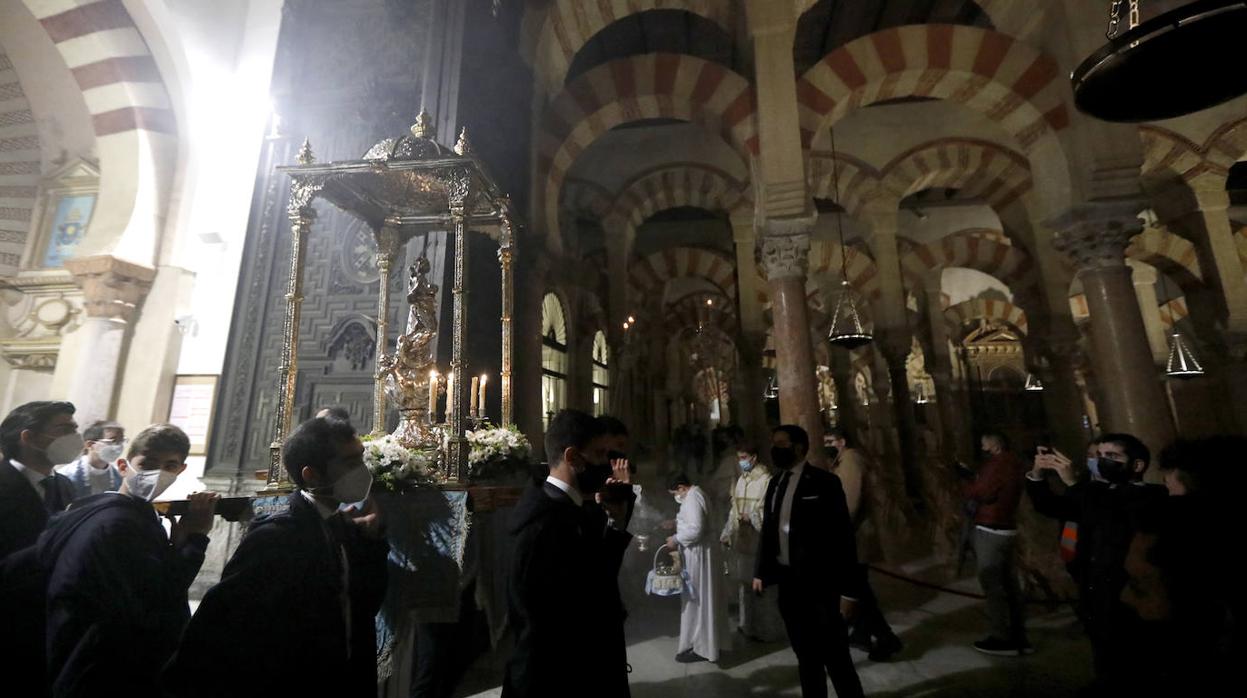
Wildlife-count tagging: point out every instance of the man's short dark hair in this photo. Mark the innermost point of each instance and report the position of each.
(160, 438)
(569, 429)
(34, 416)
(841, 433)
(796, 435)
(611, 426)
(1134, 448)
(313, 444)
(745, 446)
(97, 429)
(675, 480)
(339, 413)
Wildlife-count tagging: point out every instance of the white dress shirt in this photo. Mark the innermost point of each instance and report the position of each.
(785, 511)
(36, 478)
(567, 489)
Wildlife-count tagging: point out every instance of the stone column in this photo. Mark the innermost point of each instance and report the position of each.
(530, 283)
(1057, 346)
(785, 259)
(1095, 237)
(1144, 278)
(954, 423)
(752, 413)
(112, 290)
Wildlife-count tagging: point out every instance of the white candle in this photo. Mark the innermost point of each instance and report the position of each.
(450, 394)
(481, 400)
(433, 396)
(472, 396)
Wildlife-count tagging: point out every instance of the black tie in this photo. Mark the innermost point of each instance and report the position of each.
(51, 494)
(780, 491)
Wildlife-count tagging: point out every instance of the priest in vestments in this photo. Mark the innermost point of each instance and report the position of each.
(703, 617)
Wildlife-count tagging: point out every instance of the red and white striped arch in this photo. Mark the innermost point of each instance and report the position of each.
(21, 162)
(569, 24)
(825, 259)
(649, 276)
(1169, 152)
(859, 182)
(979, 169)
(980, 250)
(652, 86)
(990, 309)
(672, 186)
(691, 310)
(111, 62)
(1005, 80)
(1171, 312)
(1172, 254)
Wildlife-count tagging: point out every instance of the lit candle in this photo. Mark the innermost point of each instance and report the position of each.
(472, 396)
(433, 396)
(481, 401)
(450, 394)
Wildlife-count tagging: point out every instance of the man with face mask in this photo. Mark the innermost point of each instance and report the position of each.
(563, 593)
(294, 611)
(33, 438)
(759, 617)
(808, 551)
(1106, 512)
(95, 470)
(115, 579)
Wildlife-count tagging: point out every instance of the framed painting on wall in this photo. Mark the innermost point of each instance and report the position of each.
(68, 203)
(194, 397)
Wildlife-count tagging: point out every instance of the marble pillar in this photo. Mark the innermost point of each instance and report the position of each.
(751, 414)
(1095, 237)
(530, 287)
(785, 253)
(112, 290)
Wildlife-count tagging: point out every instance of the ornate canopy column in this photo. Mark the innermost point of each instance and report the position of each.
(785, 250)
(1095, 236)
(112, 291)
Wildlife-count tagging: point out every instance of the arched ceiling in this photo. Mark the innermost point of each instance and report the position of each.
(658, 31)
(830, 24)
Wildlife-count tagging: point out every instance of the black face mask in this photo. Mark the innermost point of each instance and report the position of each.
(592, 479)
(832, 452)
(783, 457)
(1115, 472)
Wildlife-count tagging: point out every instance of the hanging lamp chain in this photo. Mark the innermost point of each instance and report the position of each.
(835, 182)
(1114, 17)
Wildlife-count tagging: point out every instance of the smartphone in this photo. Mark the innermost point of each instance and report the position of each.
(228, 508)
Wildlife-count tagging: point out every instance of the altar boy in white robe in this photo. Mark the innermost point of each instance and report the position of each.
(703, 620)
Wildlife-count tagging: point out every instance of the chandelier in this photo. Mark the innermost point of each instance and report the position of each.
(1182, 362)
(1177, 63)
(846, 322)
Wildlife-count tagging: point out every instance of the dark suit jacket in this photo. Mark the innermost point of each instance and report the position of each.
(113, 580)
(274, 624)
(821, 548)
(23, 516)
(563, 597)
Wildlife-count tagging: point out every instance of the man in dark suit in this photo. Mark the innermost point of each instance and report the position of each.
(808, 551)
(34, 438)
(294, 611)
(563, 592)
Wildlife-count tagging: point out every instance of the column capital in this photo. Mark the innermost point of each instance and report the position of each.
(784, 256)
(1095, 235)
(112, 288)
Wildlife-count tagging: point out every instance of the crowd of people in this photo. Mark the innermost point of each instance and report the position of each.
(95, 586)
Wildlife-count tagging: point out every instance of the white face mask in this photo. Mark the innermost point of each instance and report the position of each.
(65, 449)
(148, 484)
(354, 486)
(679, 498)
(109, 453)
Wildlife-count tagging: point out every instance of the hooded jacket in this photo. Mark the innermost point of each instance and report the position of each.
(564, 601)
(113, 581)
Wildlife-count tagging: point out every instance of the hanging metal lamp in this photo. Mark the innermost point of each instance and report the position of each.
(772, 389)
(846, 329)
(1182, 361)
(1177, 63)
(1033, 384)
(846, 323)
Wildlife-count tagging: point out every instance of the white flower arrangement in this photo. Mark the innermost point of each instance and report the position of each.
(494, 450)
(396, 467)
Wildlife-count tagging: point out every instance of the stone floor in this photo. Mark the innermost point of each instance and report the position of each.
(937, 628)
